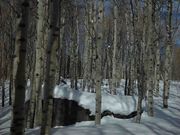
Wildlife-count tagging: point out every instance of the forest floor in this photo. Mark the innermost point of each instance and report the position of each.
(164, 122)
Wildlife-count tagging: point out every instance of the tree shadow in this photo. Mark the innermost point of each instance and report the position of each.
(174, 120)
(114, 129)
(159, 130)
(4, 111)
(33, 132)
(4, 121)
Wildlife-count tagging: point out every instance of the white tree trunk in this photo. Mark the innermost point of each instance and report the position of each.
(98, 77)
(36, 91)
(114, 61)
(151, 47)
(157, 72)
(168, 56)
(88, 43)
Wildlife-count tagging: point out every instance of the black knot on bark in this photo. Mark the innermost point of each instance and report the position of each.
(20, 87)
(97, 56)
(22, 39)
(22, 25)
(23, 50)
(25, 4)
(99, 37)
(55, 34)
(50, 26)
(48, 52)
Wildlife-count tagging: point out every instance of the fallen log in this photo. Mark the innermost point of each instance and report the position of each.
(119, 116)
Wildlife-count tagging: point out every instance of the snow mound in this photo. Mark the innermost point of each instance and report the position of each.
(115, 103)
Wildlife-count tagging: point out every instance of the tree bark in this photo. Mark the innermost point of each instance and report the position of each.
(98, 77)
(37, 77)
(87, 47)
(18, 121)
(114, 61)
(50, 68)
(151, 47)
(157, 72)
(168, 56)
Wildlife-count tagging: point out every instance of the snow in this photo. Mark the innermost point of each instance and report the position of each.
(28, 90)
(164, 122)
(115, 103)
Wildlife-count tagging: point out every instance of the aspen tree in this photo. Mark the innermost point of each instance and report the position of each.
(93, 41)
(74, 48)
(37, 77)
(151, 47)
(2, 79)
(98, 76)
(50, 68)
(61, 47)
(138, 33)
(87, 46)
(131, 48)
(168, 55)
(72, 54)
(157, 71)
(114, 61)
(157, 54)
(18, 120)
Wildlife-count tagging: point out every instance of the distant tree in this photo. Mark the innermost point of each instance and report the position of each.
(151, 47)
(139, 39)
(88, 44)
(114, 58)
(168, 55)
(176, 65)
(35, 101)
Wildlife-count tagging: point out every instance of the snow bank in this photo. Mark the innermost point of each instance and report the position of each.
(114, 103)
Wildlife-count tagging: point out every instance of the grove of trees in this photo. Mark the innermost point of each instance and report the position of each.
(43, 41)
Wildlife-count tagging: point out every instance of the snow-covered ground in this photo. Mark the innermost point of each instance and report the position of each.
(165, 121)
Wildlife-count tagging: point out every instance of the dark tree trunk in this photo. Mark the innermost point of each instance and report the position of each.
(18, 121)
